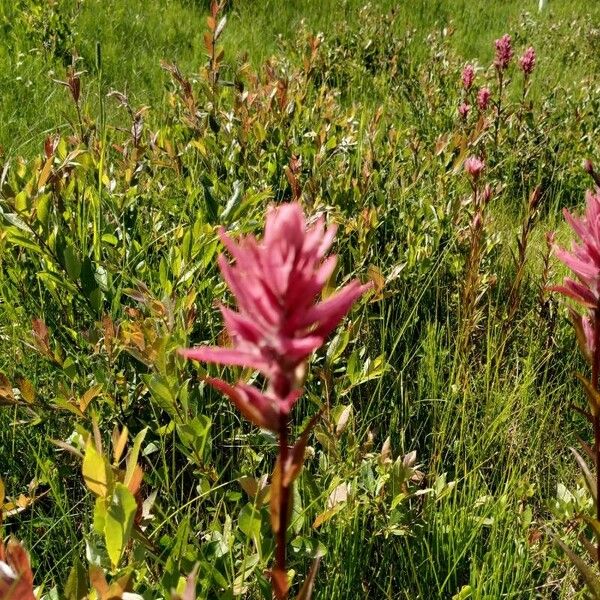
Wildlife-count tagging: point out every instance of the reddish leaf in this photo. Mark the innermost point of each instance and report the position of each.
(276, 497)
(296, 460)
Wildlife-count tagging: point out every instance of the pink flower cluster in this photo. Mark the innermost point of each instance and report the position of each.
(584, 262)
(483, 98)
(279, 322)
(474, 166)
(504, 52)
(468, 76)
(527, 61)
(463, 110)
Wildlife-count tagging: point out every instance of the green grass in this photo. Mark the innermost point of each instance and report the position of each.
(134, 38)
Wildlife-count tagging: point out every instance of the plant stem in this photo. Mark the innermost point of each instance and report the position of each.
(595, 373)
(498, 108)
(284, 497)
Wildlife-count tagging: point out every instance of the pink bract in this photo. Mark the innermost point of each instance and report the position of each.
(483, 98)
(468, 76)
(584, 258)
(474, 166)
(504, 52)
(463, 110)
(527, 61)
(279, 320)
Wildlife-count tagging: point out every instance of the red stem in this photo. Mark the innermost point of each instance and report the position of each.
(284, 498)
(595, 374)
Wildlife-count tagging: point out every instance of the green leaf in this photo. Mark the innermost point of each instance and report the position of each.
(161, 393)
(337, 346)
(96, 472)
(249, 521)
(72, 263)
(133, 456)
(76, 587)
(100, 515)
(195, 435)
(119, 521)
(589, 478)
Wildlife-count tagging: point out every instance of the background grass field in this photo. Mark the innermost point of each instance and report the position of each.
(491, 427)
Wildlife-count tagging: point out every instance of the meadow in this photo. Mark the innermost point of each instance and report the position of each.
(430, 452)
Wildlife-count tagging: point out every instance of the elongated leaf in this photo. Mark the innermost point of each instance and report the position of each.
(594, 524)
(592, 394)
(307, 588)
(296, 461)
(591, 579)
(276, 484)
(133, 456)
(589, 478)
(77, 586)
(590, 548)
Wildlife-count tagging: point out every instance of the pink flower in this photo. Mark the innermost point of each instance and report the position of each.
(584, 258)
(527, 61)
(474, 166)
(483, 98)
(279, 322)
(504, 52)
(463, 110)
(468, 76)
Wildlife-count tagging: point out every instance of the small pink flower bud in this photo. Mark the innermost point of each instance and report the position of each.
(483, 98)
(504, 52)
(463, 110)
(588, 166)
(487, 193)
(474, 166)
(477, 221)
(468, 76)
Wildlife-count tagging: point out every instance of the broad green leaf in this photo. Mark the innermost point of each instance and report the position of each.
(161, 393)
(96, 472)
(249, 521)
(120, 514)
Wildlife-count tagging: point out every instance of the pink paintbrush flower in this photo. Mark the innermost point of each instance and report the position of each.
(468, 76)
(279, 321)
(504, 52)
(527, 61)
(463, 110)
(474, 166)
(584, 258)
(483, 98)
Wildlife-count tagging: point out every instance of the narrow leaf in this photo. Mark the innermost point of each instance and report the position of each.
(307, 588)
(591, 579)
(589, 478)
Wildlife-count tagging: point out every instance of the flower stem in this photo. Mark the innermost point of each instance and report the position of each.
(284, 498)
(595, 375)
